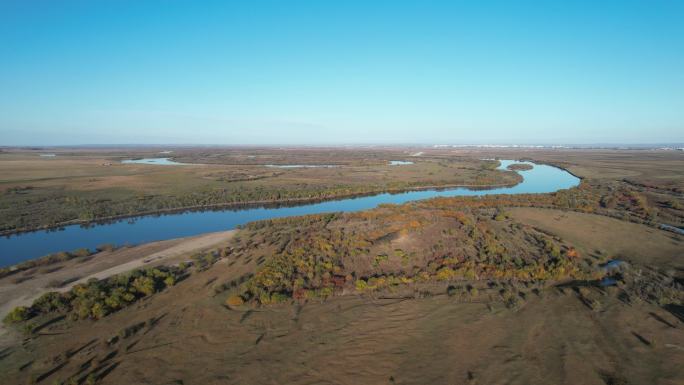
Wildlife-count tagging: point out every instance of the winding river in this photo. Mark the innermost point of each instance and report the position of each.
(20, 247)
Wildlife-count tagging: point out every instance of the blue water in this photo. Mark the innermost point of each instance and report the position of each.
(612, 265)
(157, 161)
(24, 246)
(399, 162)
(677, 230)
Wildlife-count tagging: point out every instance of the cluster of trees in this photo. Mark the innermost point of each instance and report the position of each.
(97, 298)
(309, 258)
(320, 255)
(491, 261)
(520, 167)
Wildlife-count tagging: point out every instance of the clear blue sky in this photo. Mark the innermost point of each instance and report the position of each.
(319, 72)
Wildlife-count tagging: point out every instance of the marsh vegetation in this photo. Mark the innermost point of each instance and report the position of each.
(79, 187)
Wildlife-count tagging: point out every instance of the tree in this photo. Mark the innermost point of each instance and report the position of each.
(144, 285)
(99, 310)
(18, 314)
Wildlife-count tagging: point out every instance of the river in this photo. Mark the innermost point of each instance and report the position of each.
(24, 246)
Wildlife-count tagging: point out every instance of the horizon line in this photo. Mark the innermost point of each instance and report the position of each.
(365, 144)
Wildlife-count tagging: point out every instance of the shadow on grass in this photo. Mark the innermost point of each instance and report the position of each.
(49, 322)
(675, 310)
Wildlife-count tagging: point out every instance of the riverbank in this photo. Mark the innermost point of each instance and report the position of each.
(254, 204)
(23, 288)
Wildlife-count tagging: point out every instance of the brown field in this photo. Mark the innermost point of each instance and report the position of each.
(595, 234)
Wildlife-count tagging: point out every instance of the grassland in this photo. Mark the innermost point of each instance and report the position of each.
(599, 234)
(497, 289)
(87, 185)
(438, 339)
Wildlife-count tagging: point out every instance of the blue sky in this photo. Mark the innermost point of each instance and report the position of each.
(326, 72)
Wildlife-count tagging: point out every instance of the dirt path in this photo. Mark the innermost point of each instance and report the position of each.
(183, 249)
(23, 288)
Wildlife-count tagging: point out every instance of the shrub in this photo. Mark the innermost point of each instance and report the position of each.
(445, 274)
(169, 281)
(572, 253)
(106, 247)
(91, 379)
(99, 310)
(49, 302)
(18, 314)
(204, 260)
(83, 252)
(379, 259)
(234, 300)
(279, 297)
(325, 292)
(144, 285)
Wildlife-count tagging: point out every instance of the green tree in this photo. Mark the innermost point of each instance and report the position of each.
(144, 285)
(18, 314)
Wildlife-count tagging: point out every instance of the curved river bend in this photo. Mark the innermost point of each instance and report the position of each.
(20, 247)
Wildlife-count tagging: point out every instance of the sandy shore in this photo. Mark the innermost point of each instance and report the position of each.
(23, 288)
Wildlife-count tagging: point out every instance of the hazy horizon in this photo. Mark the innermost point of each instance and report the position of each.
(271, 73)
(668, 145)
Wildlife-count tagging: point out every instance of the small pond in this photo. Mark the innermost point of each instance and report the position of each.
(157, 161)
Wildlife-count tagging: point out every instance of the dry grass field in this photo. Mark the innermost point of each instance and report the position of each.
(600, 235)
